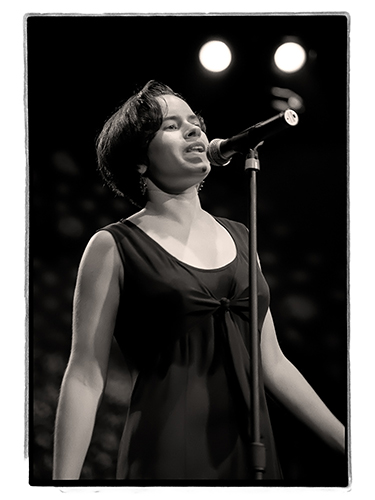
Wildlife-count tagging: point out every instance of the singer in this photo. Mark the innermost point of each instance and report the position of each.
(170, 283)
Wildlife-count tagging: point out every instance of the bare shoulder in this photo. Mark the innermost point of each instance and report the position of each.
(102, 241)
(101, 255)
(100, 244)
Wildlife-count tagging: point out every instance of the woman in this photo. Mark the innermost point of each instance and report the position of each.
(170, 283)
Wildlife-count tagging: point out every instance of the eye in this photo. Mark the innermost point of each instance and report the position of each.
(196, 123)
(171, 126)
(194, 120)
(201, 124)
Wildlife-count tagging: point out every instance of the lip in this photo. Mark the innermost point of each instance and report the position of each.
(197, 144)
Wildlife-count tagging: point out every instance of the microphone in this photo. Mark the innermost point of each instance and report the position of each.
(220, 151)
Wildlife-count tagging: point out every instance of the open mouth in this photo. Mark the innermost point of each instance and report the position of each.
(196, 148)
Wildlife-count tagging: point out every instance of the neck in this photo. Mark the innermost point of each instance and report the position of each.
(182, 207)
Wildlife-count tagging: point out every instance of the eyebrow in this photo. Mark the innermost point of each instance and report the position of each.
(176, 117)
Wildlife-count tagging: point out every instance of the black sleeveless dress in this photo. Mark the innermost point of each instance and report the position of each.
(184, 333)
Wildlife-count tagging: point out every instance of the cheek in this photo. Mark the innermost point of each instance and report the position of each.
(159, 163)
(154, 153)
(161, 153)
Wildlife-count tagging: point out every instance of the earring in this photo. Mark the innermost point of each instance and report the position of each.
(143, 184)
(200, 186)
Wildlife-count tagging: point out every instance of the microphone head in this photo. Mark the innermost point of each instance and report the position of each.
(291, 117)
(214, 154)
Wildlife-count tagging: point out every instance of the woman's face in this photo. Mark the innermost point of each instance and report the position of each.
(177, 153)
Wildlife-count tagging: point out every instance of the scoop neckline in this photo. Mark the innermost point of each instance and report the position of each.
(201, 269)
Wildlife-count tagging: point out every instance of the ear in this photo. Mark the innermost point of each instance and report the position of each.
(142, 168)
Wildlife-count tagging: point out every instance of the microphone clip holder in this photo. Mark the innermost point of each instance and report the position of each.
(252, 158)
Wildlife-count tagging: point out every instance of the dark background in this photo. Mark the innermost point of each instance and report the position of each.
(79, 69)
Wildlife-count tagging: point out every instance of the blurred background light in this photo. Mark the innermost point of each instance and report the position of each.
(286, 98)
(290, 57)
(215, 56)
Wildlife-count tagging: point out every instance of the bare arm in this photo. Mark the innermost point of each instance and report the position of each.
(293, 391)
(95, 306)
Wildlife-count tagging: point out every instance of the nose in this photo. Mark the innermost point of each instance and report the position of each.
(192, 130)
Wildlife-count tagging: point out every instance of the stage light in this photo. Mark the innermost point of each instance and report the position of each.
(215, 56)
(290, 57)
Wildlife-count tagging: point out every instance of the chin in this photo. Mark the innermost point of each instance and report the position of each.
(206, 168)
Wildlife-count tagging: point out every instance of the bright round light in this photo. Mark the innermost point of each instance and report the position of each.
(215, 56)
(290, 57)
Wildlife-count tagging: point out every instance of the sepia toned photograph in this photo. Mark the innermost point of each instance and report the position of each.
(188, 250)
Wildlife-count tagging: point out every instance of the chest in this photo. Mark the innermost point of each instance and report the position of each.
(205, 246)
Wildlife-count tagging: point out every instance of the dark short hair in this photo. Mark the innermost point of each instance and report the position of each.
(123, 142)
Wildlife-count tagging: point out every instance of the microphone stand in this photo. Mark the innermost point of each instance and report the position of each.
(258, 450)
(218, 157)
